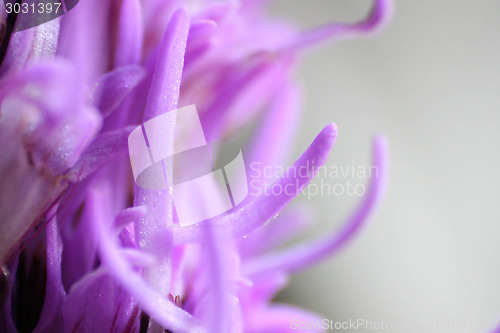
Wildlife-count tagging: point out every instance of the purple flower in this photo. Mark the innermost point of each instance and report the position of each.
(84, 249)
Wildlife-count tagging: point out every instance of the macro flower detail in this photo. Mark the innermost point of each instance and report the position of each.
(82, 247)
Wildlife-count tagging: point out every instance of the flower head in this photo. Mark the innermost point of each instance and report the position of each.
(83, 248)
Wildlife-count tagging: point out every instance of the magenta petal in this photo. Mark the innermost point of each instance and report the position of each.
(200, 29)
(85, 38)
(164, 91)
(129, 215)
(28, 45)
(76, 134)
(231, 320)
(378, 17)
(137, 258)
(241, 96)
(152, 232)
(112, 88)
(94, 301)
(303, 256)
(216, 11)
(265, 287)
(105, 148)
(254, 213)
(43, 130)
(76, 305)
(290, 223)
(152, 302)
(130, 34)
(215, 256)
(18, 51)
(80, 250)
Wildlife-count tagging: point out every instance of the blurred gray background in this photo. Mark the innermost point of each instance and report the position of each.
(431, 84)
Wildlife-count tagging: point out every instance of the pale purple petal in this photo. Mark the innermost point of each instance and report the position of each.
(112, 88)
(289, 224)
(306, 255)
(242, 95)
(97, 304)
(164, 91)
(152, 302)
(105, 148)
(130, 34)
(258, 211)
(30, 45)
(376, 20)
(264, 288)
(274, 135)
(151, 232)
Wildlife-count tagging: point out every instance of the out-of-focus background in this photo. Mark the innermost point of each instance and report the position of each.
(430, 259)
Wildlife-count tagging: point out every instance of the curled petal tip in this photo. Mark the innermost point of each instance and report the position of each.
(332, 129)
(380, 15)
(380, 143)
(326, 138)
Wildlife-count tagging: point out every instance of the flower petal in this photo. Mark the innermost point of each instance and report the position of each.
(254, 213)
(105, 148)
(377, 19)
(152, 302)
(303, 256)
(164, 91)
(242, 94)
(93, 301)
(269, 146)
(130, 34)
(112, 88)
(26, 46)
(289, 224)
(151, 232)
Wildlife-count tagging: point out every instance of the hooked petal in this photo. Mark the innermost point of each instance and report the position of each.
(377, 19)
(254, 213)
